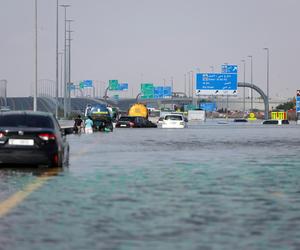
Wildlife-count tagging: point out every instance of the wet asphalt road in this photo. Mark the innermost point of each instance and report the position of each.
(213, 186)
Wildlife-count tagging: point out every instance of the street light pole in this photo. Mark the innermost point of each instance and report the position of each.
(251, 63)
(172, 86)
(189, 91)
(61, 73)
(4, 87)
(268, 72)
(185, 84)
(244, 104)
(56, 87)
(65, 6)
(191, 79)
(35, 64)
(69, 66)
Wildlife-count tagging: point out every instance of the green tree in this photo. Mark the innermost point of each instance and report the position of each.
(287, 105)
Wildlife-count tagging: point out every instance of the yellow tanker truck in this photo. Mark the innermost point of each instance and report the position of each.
(138, 109)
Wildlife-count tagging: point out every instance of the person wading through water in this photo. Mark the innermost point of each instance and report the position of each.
(78, 124)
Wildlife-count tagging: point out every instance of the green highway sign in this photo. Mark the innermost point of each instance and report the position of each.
(147, 90)
(113, 85)
(81, 85)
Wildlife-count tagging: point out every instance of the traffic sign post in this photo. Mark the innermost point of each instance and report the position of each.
(123, 86)
(81, 85)
(216, 84)
(147, 90)
(208, 106)
(113, 85)
(167, 91)
(229, 69)
(298, 104)
(158, 92)
(86, 84)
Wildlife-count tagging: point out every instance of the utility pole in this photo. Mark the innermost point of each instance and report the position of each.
(69, 66)
(56, 87)
(244, 102)
(185, 84)
(65, 6)
(251, 65)
(36, 62)
(268, 69)
(172, 86)
(4, 86)
(61, 73)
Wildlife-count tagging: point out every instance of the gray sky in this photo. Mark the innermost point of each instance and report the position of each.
(152, 40)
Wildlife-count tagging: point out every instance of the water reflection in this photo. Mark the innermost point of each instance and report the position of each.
(218, 187)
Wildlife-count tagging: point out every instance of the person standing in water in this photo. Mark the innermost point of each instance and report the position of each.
(89, 125)
(78, 124)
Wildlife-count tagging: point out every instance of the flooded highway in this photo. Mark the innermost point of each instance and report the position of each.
(210, 186)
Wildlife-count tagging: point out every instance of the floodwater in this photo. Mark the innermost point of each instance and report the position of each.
(210, 186)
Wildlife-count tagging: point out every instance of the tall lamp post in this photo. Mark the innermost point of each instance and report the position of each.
(61, 73)
(69, 65)
(185, 84)
(172, 86)
(56, 86)
(268, 70)
(4, 87)
(251, 64)
(191, 80)
(244, 104)
(65, 6)
(35, 60)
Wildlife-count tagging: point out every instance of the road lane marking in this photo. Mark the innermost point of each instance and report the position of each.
(7, 205)
(17, 198)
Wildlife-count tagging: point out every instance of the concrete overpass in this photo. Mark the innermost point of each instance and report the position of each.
(78, 105)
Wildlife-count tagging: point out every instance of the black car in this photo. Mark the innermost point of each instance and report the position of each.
(32, 138)
(134, 122)
(240, 120)
(276, 122)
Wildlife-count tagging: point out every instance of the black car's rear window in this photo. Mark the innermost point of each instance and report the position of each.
(33, 121)
(270, 122)
(126, 119)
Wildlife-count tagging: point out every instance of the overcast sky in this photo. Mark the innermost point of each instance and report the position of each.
(152, 40)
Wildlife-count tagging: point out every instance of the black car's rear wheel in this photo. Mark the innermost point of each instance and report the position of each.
(56, 161)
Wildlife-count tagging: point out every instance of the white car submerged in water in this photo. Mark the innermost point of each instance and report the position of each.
(173, 121)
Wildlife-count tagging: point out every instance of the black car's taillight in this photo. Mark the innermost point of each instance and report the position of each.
(131, 124)
(47, 137)
(2, 135)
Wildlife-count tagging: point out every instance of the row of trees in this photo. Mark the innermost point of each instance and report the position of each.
(287, 105)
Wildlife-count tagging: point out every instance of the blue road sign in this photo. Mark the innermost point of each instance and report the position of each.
(298, 104)
(167, 91)
(230, 69)
(158, 92)
(72, 87)
(123, 86)
(88, 83)
(161, 92)
(216, 84)
(208, 106)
